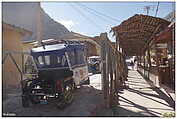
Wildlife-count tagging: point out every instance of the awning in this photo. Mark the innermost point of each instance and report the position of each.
(133, 33)
(166, 35)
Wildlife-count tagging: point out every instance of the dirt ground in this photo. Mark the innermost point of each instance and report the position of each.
(88, 101)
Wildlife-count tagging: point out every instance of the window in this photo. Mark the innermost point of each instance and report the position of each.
(61, 60)
(72, 58)
(40, 60)
(84, 57)
(47, 59)
(80, 57)
(53, 60)
(77, 57)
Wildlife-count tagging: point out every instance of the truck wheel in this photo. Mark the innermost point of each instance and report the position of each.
(68, 94)
(67, 97)
(25, 101)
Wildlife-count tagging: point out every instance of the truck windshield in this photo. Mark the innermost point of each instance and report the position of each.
(51, 61)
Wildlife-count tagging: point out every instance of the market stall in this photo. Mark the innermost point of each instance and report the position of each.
(162, 56)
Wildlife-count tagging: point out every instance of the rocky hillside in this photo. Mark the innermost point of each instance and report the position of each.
(24, 15)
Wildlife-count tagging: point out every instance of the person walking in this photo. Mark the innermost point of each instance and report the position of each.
(135, 64)
(132, 64)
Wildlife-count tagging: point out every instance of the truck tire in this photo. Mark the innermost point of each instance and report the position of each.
(67, 97)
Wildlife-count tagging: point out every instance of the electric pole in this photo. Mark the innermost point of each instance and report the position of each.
(157, 9)
(148, 8)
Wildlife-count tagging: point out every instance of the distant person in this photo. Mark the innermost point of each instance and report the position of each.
(135, 60)
(135, 64)
(132, 64)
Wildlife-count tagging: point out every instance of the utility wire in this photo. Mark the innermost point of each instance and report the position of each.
(157, 9)
(87, 18)
(111, 18)
(98, 15)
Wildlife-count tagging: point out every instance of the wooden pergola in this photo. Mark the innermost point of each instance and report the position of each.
(135, 33)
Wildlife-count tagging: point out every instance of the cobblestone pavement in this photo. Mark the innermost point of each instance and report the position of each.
(140, 99)
(88, 101)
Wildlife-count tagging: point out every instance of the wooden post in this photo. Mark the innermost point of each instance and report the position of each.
(107, 76)
(23, 63)
(149, 57)
(105, 72)
(23, 71)
(103, 62)
(116, 73)
(111, 79)
(149, 62)
(140, 58)
(144, 62)
(113, 67)
(157, 65)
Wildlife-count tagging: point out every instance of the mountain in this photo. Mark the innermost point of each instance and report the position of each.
(24, 15)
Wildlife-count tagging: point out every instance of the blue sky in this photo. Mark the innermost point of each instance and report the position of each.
(78, 18)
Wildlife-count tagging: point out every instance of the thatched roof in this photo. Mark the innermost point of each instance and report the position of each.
(135, 32)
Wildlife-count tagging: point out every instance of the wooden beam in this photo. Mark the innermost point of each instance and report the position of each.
(155, 31)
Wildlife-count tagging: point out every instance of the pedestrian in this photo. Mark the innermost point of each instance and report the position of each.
(135, 60)
(132, 64)
(135, 65)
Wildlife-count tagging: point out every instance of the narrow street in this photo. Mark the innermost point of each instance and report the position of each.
(88, 101)
(88, 59)
(141, 99)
